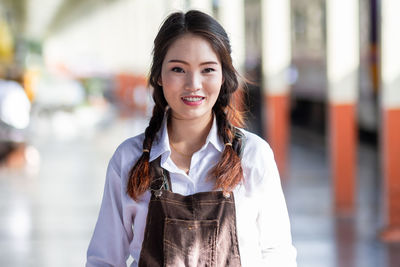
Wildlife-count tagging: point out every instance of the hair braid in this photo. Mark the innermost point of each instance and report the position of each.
(228, 171)
(139, 176)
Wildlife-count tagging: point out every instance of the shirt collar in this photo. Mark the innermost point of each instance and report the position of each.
(214, 138)
(161, 143)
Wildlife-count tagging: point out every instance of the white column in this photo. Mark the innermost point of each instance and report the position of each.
(202, 5)
(390, 52)
(176, 5)
(231, 16)
(276, 48)
(343, 53)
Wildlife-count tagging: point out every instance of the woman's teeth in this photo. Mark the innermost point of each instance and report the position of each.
(192, 99)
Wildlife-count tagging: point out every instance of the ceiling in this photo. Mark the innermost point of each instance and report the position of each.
(36, 19)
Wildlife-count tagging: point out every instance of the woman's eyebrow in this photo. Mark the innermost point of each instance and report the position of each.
(186, 63)
(178, 61)
(209, 62)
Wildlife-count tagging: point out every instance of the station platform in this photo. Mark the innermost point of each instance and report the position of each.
(322, 238)
(47, 215)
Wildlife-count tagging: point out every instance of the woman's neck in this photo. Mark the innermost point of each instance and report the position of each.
(188, 136)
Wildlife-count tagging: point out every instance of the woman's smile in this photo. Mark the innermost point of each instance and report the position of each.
(193, 100)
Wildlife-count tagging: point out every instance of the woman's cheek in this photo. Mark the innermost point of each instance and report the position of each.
(173, 81)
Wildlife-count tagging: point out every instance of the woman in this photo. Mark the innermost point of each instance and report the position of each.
(192, 190)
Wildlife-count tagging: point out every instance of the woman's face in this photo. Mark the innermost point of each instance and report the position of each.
(191, 78)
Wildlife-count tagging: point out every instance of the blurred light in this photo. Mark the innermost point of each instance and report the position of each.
(32, 157)
(20, 221)
(64, 125)
(53, 91)
(6, 42)
(140, 95)
(14, 105)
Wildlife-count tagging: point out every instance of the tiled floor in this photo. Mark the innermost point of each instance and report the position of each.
(47, 218)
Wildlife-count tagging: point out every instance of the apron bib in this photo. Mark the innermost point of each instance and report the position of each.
(188, 231)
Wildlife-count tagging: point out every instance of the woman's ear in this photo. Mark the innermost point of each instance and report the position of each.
(159, 81)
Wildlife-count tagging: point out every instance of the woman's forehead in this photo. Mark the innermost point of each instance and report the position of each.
(191, 47)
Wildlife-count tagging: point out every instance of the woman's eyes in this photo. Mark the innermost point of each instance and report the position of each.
(208, 70)
(177, 69)
(180, 70)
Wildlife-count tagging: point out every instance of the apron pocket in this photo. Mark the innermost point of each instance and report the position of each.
(190, 243)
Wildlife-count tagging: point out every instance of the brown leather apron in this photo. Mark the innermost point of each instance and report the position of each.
(194, 230)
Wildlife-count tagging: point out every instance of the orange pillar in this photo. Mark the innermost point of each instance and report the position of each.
(390, 135)
(278, 127)
(276, 58)
(343, 143)
(342, 74)
(391, 173)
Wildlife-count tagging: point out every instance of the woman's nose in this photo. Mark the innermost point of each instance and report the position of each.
(193, 82)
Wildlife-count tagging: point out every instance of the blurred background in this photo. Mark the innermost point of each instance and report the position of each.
(325, 95)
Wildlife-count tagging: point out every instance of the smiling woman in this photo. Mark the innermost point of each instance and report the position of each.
(193, 190)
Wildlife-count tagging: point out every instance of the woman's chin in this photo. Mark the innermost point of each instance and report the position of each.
(191, 115)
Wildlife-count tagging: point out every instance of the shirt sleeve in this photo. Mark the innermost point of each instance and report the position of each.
(109, 245)
(273, 219)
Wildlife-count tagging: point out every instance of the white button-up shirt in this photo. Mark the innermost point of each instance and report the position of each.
(262, 220)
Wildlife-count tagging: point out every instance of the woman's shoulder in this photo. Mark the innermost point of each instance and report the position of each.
(257, 158)
(254, 145)
(128, 151)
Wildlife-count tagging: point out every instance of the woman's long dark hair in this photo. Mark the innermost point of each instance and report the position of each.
(228, 171)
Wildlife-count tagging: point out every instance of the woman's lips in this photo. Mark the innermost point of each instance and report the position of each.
(193, 100)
